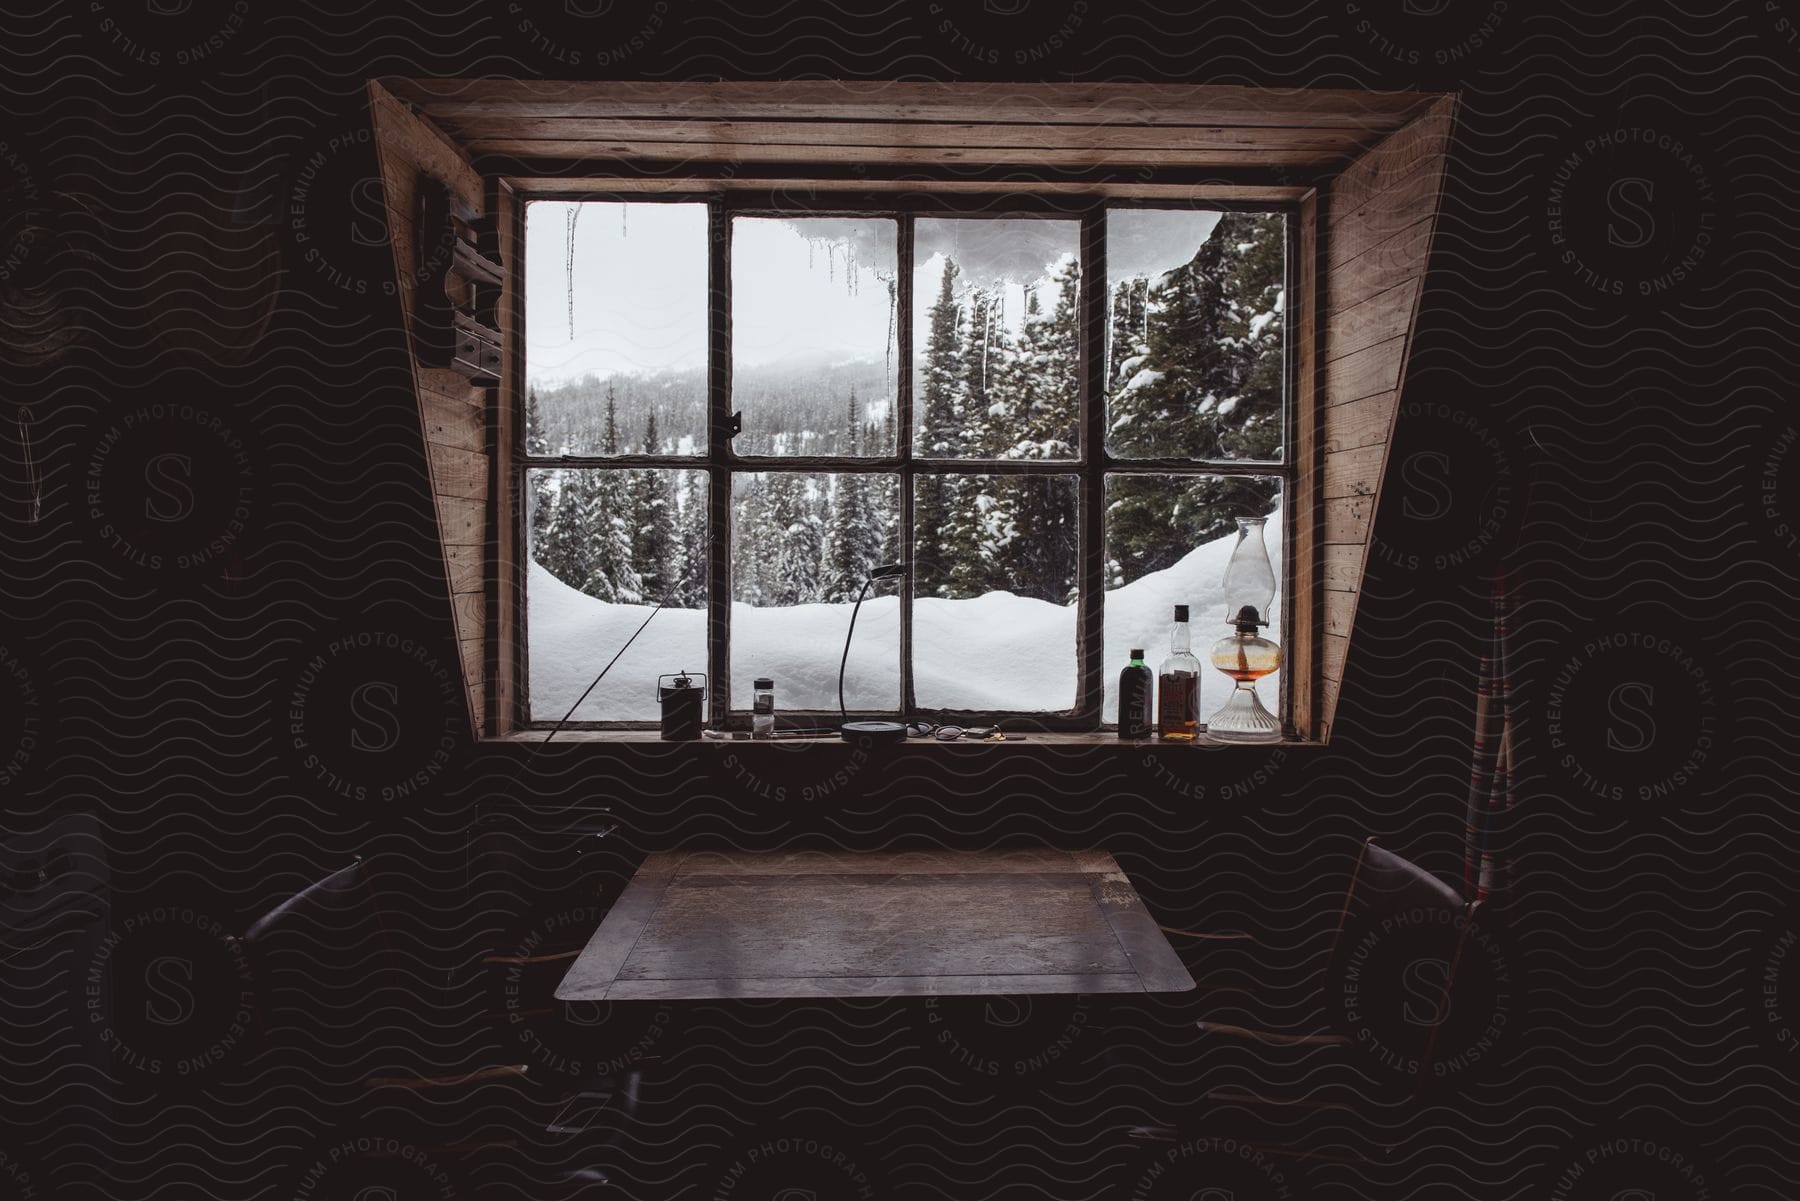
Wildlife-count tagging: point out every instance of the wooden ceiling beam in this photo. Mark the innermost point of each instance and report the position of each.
(448, 100)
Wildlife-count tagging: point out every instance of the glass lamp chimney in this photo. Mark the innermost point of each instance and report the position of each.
(1245, 655)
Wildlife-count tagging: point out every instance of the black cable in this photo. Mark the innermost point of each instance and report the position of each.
(843, 713)
(565, 717)
(887, 571)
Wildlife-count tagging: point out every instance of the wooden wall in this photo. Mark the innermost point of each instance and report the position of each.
(1380, 214)
(452, 412)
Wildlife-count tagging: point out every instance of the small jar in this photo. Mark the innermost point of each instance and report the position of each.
(762, 708)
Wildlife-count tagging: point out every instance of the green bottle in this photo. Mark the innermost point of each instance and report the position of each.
(1135, 684)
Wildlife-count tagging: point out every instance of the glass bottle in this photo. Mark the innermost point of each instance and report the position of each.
(1245, 655)
(762, 708)
(1178, 686)
(1135, 684)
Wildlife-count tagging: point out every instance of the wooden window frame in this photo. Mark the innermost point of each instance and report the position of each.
(1091, 466)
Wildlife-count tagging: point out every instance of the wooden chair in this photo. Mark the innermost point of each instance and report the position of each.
(340, 917)
(1382, 885)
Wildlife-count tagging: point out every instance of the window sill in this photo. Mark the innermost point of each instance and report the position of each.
(1027, 740)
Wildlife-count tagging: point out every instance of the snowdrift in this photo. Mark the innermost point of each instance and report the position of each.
(989, 653)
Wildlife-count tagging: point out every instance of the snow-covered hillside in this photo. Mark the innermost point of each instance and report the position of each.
(990, 652)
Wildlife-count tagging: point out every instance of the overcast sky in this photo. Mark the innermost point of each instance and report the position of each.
(803, 288)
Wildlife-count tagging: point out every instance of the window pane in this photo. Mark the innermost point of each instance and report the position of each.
(1195, 359)
(801, 547)
(1168, 539)
(606, 545)
(813, 358)
(997, 332)
(995, 563)
(615, 328)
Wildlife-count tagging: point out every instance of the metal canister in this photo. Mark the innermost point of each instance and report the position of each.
(683, 706)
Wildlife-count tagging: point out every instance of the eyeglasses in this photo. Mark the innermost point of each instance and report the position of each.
(922, 729)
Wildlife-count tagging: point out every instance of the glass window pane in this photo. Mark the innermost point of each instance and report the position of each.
(606, 545)
(1195, 359)
(813, 355)
(997, 337)
(996, 562)
(1168, 539)
(615, 328)
(801, 547)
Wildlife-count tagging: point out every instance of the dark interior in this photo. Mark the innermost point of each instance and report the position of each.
(1600, 394)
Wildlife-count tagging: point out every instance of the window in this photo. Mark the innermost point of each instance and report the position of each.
(1052, 411)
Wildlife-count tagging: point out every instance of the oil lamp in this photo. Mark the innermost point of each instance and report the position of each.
(1245, 655)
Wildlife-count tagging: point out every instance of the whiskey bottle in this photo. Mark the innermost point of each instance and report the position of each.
(1178, 686)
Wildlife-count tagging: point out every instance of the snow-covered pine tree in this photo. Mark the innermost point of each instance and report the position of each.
(793, 520)
(1033, 525)
(603, 511)
(540, 496)
(751, 542)
(854, 538)
(535, 442)
(934, 497)
(690, 545)
(884, 506)
(555, 540)
(653, 538)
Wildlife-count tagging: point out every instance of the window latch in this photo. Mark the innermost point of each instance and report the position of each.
(735, 425)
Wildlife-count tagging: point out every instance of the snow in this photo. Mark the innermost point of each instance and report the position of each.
(992, 652)
(1142, 379)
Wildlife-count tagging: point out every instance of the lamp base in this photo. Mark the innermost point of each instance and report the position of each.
(878, 732)
(1242, 718)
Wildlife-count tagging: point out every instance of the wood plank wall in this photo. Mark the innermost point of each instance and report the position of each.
(452, 412)
(1381, 215)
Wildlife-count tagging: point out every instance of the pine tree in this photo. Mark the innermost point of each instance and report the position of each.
(556, 532)
(602, 510)
(934, 496)
(1033, 527)
(653, 537)
(855, 539)
(535, 442)
(799, 543)
(690, 550)
(751, 551)
(884, 505)
(985, 432)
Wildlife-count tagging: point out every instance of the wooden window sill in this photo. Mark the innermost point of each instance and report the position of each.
(1022, 741)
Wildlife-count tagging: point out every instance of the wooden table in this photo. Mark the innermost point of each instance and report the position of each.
(715, 925)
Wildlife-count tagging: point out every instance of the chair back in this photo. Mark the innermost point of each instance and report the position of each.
(325, 976)
(1385, 885)
(324, 904)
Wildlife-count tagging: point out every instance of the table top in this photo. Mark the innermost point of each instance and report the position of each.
(707, 925)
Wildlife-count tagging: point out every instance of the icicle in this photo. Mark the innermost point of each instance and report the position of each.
(987, 337)
(893, 313)
(569, 263)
